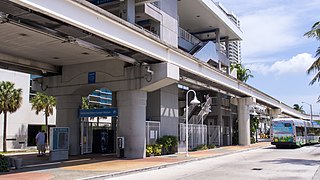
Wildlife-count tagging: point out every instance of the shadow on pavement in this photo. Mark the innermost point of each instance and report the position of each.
(294, 161)
(30, 162)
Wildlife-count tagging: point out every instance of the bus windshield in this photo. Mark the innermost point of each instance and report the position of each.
(282, 128)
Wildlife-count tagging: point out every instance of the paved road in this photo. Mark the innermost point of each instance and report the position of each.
(267, 163)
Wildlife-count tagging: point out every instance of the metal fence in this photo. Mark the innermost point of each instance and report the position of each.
(152, 131)
(214, 135)
(197, 135)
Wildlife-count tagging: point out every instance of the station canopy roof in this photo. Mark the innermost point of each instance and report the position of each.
(202, 17)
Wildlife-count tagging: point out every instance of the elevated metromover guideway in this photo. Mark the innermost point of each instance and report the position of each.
(106, 26)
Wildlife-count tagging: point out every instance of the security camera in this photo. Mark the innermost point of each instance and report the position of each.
(149, 70)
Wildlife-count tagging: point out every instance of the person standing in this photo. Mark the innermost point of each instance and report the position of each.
(40, 140)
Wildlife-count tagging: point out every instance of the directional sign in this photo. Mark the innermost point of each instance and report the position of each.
(110, 111)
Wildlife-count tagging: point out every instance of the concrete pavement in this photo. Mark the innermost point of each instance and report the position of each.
(91, 166)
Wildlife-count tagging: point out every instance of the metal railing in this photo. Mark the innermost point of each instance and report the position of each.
(203, 113)
(188, 37)
(214, 135)
(197, 135)
(152, 131)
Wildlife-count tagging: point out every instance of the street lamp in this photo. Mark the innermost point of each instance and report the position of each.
(194, 101)
(311, 118)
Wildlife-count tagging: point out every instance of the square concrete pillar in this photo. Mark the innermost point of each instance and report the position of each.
(132, 122)
(244, 119)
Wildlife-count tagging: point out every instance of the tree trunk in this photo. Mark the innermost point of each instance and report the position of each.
(5, 132)
(47, 128)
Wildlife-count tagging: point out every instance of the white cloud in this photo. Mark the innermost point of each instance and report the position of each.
(298, 63)
(273, 27)
(268, 31)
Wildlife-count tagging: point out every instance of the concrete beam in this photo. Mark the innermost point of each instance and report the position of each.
(110, 27)
(29, 64)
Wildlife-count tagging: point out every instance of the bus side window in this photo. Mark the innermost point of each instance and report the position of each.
(300, 131)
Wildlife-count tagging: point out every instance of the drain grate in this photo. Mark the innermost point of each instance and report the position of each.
(256, 169)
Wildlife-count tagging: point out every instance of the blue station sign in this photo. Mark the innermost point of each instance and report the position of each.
(103, 112)
(91, 77)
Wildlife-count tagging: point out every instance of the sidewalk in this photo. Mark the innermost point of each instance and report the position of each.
(99, 165)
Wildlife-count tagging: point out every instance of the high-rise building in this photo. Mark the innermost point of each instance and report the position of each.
(234, 45)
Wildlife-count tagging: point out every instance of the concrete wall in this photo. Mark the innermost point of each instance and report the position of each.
(18, 121)
(162, 105)
(169, 110)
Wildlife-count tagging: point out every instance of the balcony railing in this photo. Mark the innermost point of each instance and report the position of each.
(188, 37)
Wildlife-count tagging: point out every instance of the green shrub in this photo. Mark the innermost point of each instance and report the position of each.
(157, 149)
(252, 140)
(149, 150)
(154, 149)
(4, 164)
(211, 146)
(169, 143)
(201, 147)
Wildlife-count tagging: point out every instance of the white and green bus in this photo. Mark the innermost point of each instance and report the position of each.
(294, 132)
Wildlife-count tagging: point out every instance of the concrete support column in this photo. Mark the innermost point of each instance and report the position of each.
(218, 48)
(244, 120)
(68, 116)
(217, 32)
(220, 119)
(132, 122)
(227, 53)
(127, 11)
(274, 113)
(169, 116)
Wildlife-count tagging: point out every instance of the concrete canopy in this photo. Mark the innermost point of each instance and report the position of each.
(35, 43)
(198, 16)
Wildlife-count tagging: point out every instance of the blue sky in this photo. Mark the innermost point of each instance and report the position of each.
(274, 47)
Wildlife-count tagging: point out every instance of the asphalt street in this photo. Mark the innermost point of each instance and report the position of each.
(266, 163)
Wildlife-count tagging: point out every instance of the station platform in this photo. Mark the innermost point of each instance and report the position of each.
(92, 166)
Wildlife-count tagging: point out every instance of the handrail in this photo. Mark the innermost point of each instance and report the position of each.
(188, 37)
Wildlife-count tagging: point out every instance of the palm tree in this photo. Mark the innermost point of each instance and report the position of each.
(43, 103)
(243, 74)
(298, 108)
(85, 103)
(10, 101)
(315, 67)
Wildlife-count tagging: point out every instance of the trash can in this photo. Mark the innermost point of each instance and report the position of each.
(120, 143)
(226, 140)
(18, 163)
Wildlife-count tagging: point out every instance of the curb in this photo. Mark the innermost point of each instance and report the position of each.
(122, 173)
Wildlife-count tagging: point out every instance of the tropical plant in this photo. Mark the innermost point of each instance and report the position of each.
(315, 67)
(149, 150)
(43, 103)
(169, 144)
(157, 149)
(201, 147)
(298, 108)
(254, 124)
(243, 74)
(211, 146)
(153, 149)
(85, 103)
(4, 164)
(10, 101)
